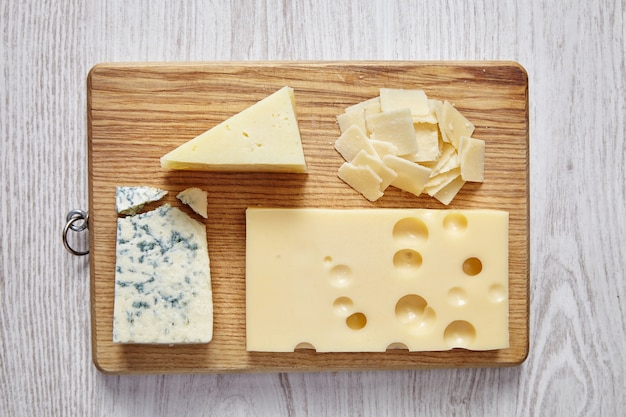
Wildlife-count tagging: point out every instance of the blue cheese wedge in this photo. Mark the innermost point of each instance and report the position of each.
(196, 199)
(162, 279)
(130, 200)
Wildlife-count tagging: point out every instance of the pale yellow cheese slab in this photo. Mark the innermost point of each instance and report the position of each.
(263, 137)
(373, 279)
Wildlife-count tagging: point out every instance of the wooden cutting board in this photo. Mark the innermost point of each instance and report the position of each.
(138, 112)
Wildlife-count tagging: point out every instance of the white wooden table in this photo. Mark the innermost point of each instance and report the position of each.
(574, 55)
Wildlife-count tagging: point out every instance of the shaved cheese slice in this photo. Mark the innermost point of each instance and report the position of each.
(386, 174)
(397, 99)
(371, 106)
(447, 151)
(439, 181)
(447, 193)
(431, 117)
(427, 136)
(362, 179)
(349, 119)
(472, 158)
(454, 124)
(351, 142)
(411, 177)
(383, 148)
(395, 127)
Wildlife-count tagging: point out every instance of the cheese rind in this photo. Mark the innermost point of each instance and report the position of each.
(162, 279)
(130, 200)
(263, 137)
(366, 279)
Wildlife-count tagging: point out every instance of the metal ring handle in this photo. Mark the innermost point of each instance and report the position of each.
(77, 221)
(77, 215)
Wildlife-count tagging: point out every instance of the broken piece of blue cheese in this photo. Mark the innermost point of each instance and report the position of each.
(130, 200)
(162, 279)
(195, 198)
(263, 137)
(426, 143)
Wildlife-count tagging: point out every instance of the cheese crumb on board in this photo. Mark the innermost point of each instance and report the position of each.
(162, 279)
(430, 134)
(130, 200)
(265, 137)
(195, 198)
(368, 280)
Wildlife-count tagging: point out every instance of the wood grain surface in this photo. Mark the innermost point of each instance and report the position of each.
(574, 54)
(137, 113)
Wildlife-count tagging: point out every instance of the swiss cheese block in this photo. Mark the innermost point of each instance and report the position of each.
(162, 279)
(373, 279)
(263, 137)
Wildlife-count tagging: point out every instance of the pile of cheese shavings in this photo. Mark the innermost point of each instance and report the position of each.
(404, 139)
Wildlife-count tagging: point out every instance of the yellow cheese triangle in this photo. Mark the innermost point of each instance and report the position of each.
(263, 137)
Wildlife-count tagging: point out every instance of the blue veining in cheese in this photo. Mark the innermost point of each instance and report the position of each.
(162, 279)
(130, 200)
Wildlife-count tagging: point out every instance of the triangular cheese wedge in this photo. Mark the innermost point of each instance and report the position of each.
(263, 137)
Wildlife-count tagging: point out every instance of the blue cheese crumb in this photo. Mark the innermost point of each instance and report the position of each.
(130, 200)
(162, 279)
(196, 199)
